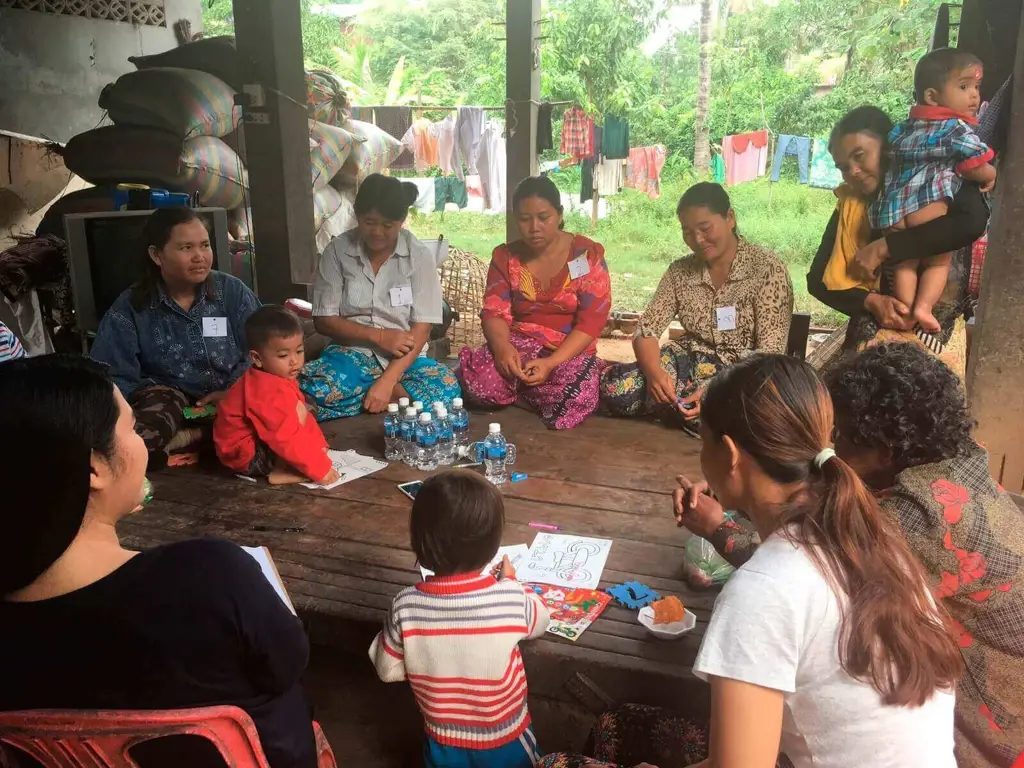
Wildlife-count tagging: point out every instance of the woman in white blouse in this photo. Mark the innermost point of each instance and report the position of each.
(826, 645)
(376, 294)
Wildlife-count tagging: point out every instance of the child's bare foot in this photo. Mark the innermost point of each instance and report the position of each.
(285, 477)
(926, 319)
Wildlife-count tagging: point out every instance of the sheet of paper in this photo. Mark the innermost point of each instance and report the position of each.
(565, 560)
(262, 556)
(572, 610)
(349, 466)
(517, 553)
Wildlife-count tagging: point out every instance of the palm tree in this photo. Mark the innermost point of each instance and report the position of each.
(701, 136)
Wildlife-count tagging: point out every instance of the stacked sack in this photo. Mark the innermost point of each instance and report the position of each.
(176, 127)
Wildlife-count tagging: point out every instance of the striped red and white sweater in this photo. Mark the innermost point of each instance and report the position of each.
(456, 640)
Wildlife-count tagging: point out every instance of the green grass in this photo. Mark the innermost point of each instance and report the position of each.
(642, 237)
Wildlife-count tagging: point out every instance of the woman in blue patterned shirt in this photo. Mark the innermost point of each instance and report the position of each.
(177, 337)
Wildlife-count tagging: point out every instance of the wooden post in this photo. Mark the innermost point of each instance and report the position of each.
(596, 207)
(522, 68)
(996, 369)
(268, 34)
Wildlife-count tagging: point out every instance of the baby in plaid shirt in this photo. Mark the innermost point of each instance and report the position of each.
(932, 152)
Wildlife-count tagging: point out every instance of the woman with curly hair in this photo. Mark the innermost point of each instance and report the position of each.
(902, 424)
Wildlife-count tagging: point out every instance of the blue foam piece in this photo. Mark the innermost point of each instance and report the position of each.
(633, 594)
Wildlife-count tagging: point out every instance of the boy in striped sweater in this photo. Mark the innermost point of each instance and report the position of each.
(455, 637)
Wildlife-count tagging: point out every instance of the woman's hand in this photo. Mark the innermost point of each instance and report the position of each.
(662, 388)
(509, 363)
(695, 508)
(398, 343)
(378, 396)
(689, 406)
(871, 257)
(330, 477)
(211, 399)
(537, 371)
(889, 312)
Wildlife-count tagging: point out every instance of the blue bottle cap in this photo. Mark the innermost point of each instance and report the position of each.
(516, 477)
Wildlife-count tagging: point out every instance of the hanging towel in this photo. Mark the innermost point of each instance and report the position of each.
(854, 231)
(718, 168)
(444, 132)
(395, 121)
(643, 173)
(824, 173)
(544, 132)
(448, 189)
(746, 156)
(426, 202)
(420, 140)
(469, 129)
(800, 147)
(742, 141)
(616, 138)
(577, 134)
(493, 172)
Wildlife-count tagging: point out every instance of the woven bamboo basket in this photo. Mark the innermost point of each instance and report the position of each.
(463, 279)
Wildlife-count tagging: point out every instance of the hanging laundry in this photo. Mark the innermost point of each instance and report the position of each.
(444, 132)
(469, 128)
(643, 173)
(824, 173)
(577, 134)
(718, 168)
(475, 194)
(363, 114)
(798, 146)
(616, 138)
(544, 131)
(493, 171)
(426, 202)
(597, 143)
(608, 177)
(420, 140)
(746, 156)
(448, 189)
(587, 180)
(395, 121)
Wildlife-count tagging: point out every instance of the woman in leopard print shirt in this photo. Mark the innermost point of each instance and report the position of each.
(731, 297)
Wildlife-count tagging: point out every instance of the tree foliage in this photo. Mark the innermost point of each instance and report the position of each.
(765, 61)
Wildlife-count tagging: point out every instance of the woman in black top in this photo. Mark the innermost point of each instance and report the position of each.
(859, 146)
(88, 624)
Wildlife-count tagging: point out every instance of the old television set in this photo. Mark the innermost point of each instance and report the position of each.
(105, 256)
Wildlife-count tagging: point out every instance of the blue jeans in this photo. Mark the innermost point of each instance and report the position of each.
(800, 146)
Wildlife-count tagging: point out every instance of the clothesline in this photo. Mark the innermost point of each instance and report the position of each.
(437, 108)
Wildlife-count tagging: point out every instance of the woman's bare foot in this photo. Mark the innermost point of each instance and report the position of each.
(926, 319)
(285, 477)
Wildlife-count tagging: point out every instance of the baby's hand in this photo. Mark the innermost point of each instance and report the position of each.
(504, 569)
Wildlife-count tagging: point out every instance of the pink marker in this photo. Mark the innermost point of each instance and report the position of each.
(544, 527)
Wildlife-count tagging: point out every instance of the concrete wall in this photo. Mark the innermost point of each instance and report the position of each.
(53, 67)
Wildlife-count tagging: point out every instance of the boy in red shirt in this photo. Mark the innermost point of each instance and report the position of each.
(263, 428)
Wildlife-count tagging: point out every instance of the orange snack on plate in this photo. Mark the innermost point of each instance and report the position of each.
(668, 610)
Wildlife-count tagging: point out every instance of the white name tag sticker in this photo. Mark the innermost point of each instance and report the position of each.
(579, 267)
(725, 318)
(401, 296)
(216, 327)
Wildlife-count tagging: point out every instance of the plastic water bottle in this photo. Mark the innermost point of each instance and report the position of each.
(460, 425)
(407, 436)
(497, 454)
(437, 406)
(392, 439)
(445, 438)
(403, 403)
(418, 405)
(426, 443)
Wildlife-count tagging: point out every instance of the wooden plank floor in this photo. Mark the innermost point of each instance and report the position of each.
(343, 554)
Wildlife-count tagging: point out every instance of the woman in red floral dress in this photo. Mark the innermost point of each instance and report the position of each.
(902, 424)
(547, 299)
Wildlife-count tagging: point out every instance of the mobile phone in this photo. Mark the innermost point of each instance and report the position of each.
(411, 489)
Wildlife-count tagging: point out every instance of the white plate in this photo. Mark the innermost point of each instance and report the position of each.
(667, 631)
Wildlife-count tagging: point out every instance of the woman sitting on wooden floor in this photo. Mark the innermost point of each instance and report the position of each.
(547, 300)
(732, 298)
(89, 624)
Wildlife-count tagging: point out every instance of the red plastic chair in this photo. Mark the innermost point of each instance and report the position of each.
(101, 739)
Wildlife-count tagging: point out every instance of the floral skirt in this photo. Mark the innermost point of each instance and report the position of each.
(339, 379)
(624, 386)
